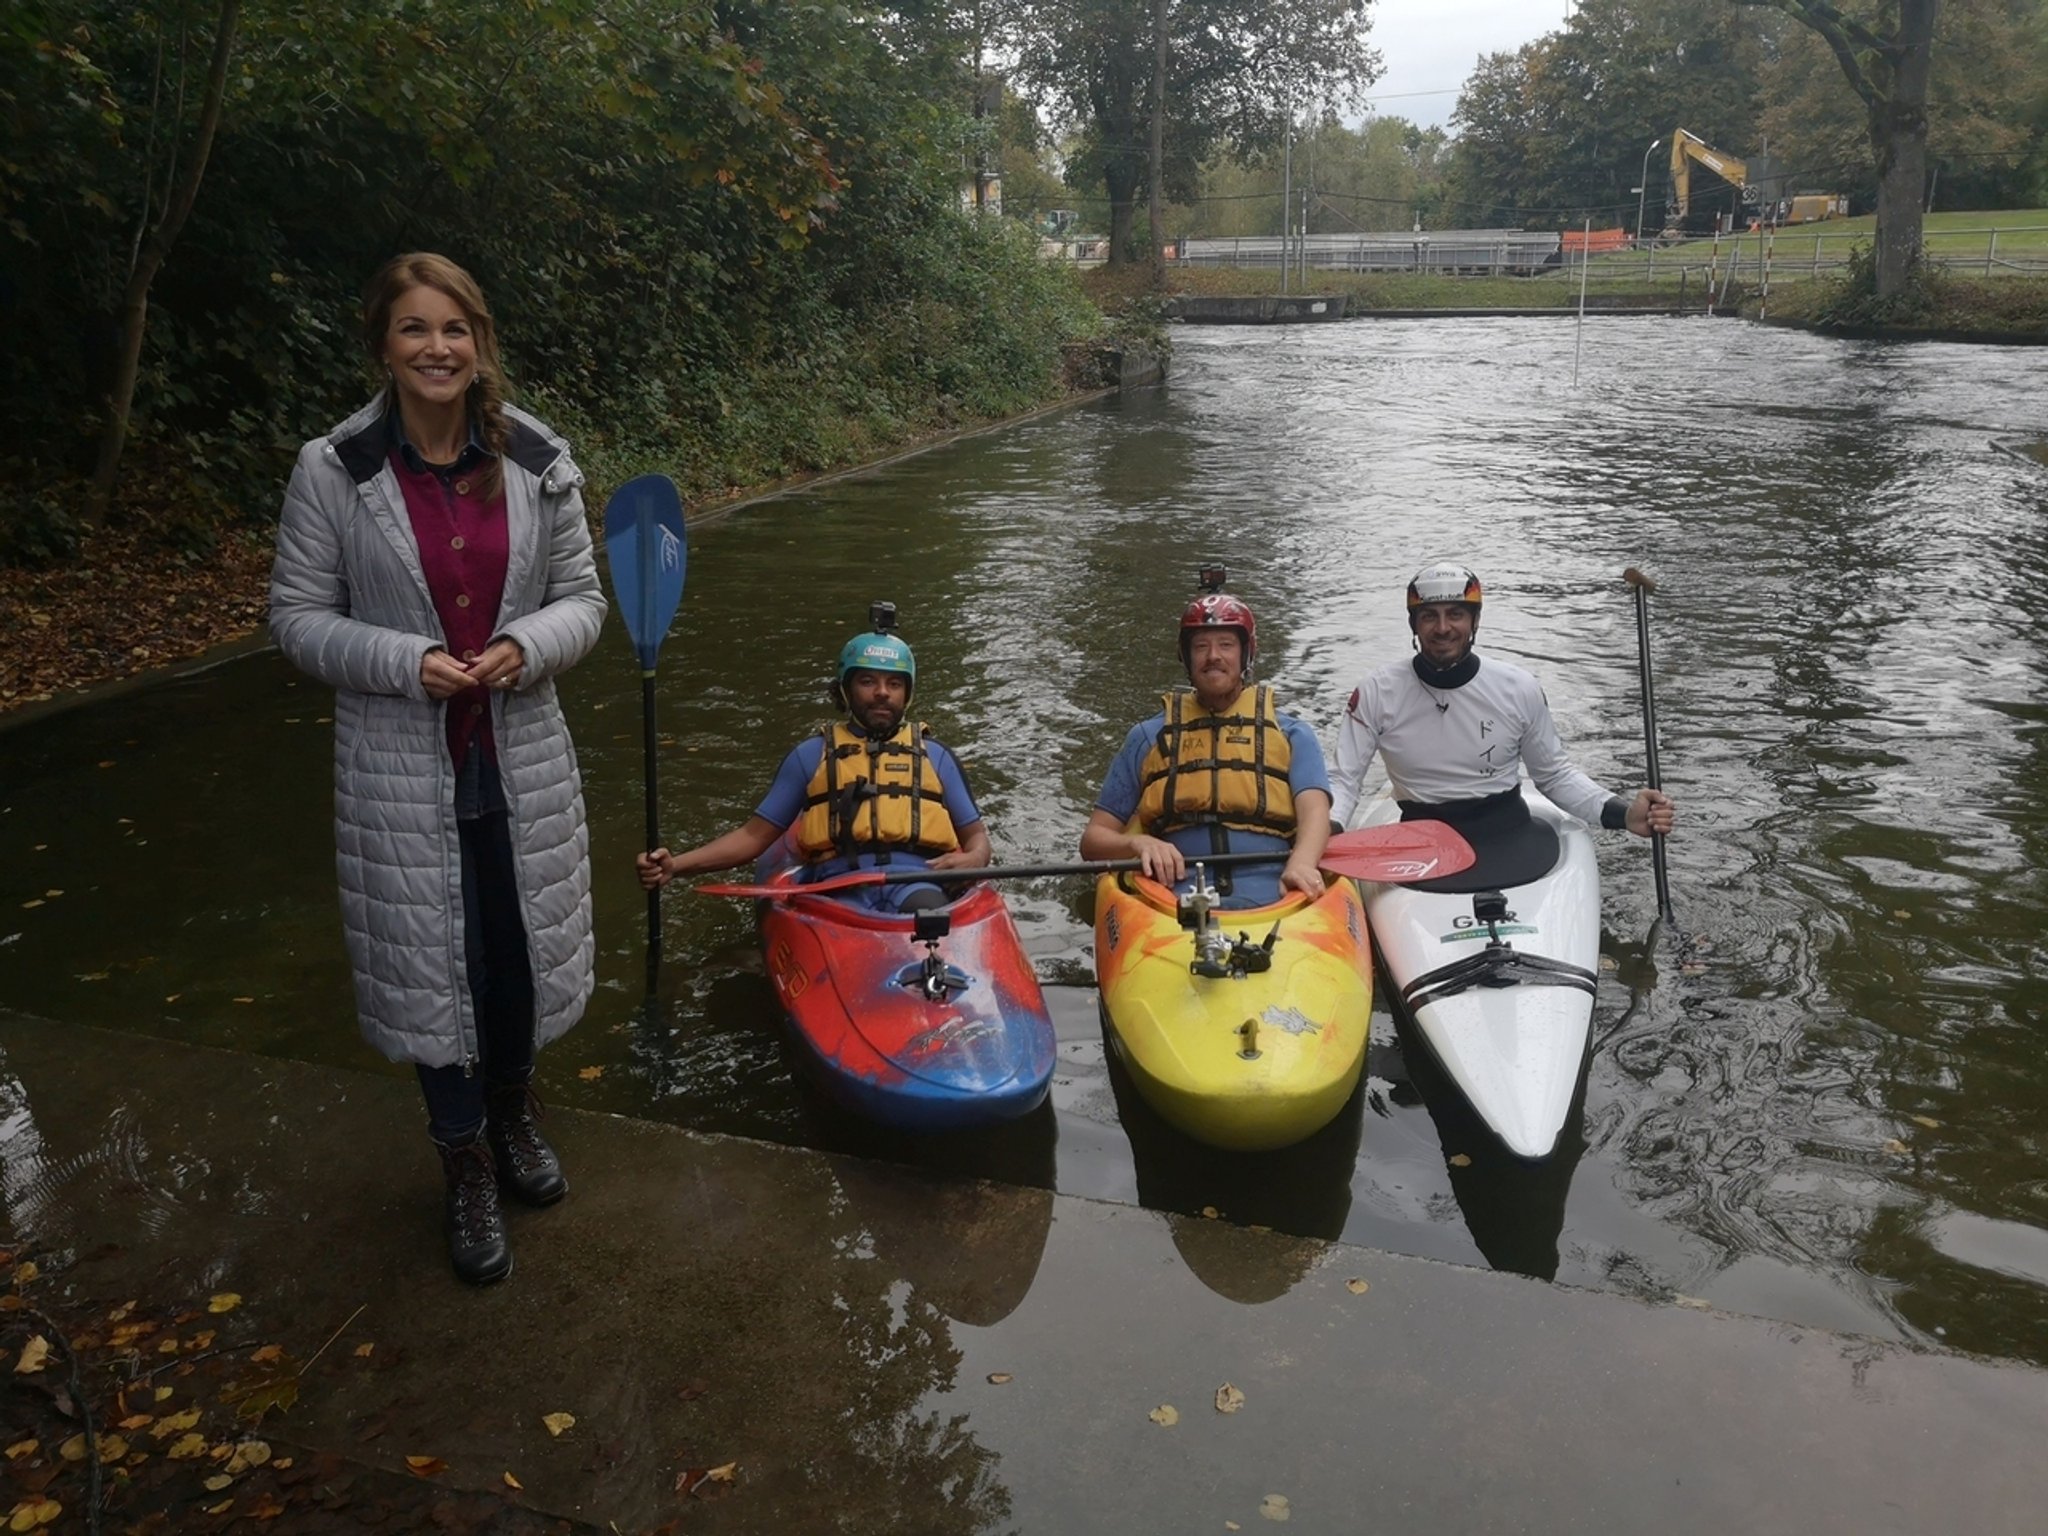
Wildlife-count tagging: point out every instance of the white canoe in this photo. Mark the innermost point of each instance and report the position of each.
(1507, 1006)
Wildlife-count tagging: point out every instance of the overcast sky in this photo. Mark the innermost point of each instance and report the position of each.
(1431, 45)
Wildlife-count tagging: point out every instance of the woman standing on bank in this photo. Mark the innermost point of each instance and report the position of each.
(434, 565)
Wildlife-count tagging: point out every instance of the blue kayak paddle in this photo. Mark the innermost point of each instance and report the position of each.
(647, 547)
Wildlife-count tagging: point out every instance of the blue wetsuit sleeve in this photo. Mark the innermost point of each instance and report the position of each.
(1122, 789)
(953, 788)
(1306, 769)
(784, 801)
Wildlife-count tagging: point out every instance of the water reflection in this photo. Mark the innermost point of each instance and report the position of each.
(1851, 628)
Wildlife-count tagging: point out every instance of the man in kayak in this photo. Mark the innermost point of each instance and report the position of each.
(1217, 770)
(1455, 731)
(868, 792)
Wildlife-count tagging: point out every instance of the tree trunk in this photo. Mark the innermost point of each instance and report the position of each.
(1898, 135)
(1158, 166)
(149, 260)
(1121, 178)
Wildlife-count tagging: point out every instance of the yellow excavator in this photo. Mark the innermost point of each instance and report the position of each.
(1724, 192)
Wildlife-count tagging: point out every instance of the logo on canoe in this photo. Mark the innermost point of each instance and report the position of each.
(1469, 932)
(1112, 929)
(1289, 1021)
(782, 961)
(1351, 922)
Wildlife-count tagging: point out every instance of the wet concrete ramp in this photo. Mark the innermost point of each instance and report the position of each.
(832, 1327)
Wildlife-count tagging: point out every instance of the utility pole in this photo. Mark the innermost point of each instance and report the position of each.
(1286, 195)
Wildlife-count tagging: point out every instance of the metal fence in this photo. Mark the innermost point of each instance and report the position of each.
(1794, 251)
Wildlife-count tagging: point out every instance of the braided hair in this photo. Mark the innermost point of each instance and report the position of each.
(487, 391)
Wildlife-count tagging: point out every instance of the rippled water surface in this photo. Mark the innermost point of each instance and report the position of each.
(1842, 1122)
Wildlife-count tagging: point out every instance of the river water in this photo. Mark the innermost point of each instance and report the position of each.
(1841, 1121)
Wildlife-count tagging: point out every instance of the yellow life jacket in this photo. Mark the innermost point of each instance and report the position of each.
(1206, 769)
(870, 796)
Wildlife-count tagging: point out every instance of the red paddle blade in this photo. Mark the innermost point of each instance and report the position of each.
(1399, 851)
(791, 892)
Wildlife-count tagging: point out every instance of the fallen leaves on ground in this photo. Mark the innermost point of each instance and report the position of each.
(558, 1424)
(34, 1355)
(701, 1482)
(425, 1466)
(1459, 1160)
(225, 1301)
(59, 631)
(1228, 1398)
(33, 1514)
(1356, 1287)
(1927, 1120)
(1165, 1415)
(1274, 1506)
(514, 1483)
(997, 1378)
(591, 1074)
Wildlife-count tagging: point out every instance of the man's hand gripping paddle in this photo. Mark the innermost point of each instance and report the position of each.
(1396, 853)
(647, 549)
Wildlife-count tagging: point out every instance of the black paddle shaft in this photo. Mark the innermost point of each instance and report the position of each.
(653, 828)
(1087, 867)
(1650, 742)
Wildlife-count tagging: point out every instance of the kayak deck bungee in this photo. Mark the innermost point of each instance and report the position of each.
(1497, 966)
(1253, 1041)
(922, 1021)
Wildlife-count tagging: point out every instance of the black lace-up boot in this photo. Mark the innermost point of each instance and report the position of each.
(476, 1227)
(527, 1165)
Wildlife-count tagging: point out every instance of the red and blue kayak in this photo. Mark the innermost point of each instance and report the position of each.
(924, 1021)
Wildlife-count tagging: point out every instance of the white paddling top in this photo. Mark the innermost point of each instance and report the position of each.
(1456, 743)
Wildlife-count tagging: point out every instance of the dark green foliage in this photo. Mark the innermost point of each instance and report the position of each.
(721, 240)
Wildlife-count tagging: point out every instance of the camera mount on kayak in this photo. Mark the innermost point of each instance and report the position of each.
(1216, 954)
(931, 975)
(1500, 964)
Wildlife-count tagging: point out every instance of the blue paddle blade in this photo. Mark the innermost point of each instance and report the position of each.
(647, 549)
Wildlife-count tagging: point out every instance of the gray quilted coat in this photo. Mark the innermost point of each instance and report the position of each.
(349, 604)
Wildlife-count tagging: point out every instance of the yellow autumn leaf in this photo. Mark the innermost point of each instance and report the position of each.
(1165, 1414)
(221, 1508)
(250, 1453)
(1927, 1120)
(26, 1272)
(1274, 1507)
(558, 1423)
(21, 1448)
(138, 1421)
(266, 1354)
(1228, 1398)
(1210, 1212)
(1896, 1146)
(167, 1345)
(225, 1301)
(425, 1466)
(73, 1449)
(187, 1447)
(1356, 1287)
(120, 1312)
(591, 1074)
(1459, 1160)
(998, 1378)
(164, 1392)
(513, 1482)
(112, 1448)
(218, 1481)
(175, 1423)
(364, 1351)
(282, 1464)
(35, 1354)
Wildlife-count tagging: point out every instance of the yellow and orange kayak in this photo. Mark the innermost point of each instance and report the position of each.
(1252, 1059)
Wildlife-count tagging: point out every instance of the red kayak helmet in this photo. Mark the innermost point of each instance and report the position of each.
(1219, 610)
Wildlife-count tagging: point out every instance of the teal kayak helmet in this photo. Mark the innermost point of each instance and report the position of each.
(875, 651)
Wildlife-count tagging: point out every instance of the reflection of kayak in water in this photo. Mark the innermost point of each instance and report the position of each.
(1251, 1038)
(922, 1020)
(969, 1248)
(1496, 965)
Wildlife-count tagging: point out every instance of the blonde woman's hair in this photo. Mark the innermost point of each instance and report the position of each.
(423, 269)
